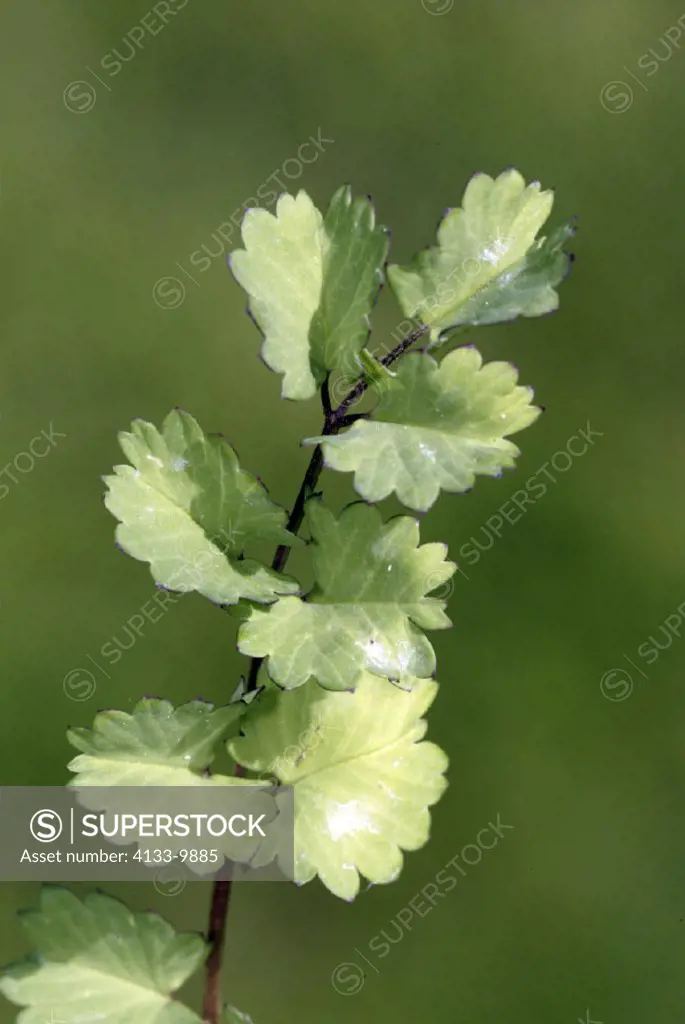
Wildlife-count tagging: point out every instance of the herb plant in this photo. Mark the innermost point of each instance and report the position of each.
(340, 677)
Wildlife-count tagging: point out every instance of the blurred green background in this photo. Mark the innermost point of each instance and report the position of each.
(581, 906)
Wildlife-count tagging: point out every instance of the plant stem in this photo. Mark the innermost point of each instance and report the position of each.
(216, 932)
(336, 419)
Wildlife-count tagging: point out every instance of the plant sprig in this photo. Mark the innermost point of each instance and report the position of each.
(340, 677)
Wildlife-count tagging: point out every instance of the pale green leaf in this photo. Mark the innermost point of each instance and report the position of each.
(436, 428)
(163, 749)
(489, 264)
(281, 269)
(362, 780)
(311, 283)
(185, 506)
(367, 609)
(527, 289)
(97, 961)
(155, 745)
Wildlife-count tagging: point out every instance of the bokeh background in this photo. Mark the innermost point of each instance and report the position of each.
(108, 185)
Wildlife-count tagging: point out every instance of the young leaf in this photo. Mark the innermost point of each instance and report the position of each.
(365, 609)
(156, 745)
(488, 265)
(363, 782)
(438, 426)
(312, 283)
(99, 961)
(185, 506)
(378, 376)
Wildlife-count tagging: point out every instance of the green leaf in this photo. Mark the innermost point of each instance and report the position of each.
(156, 745)
(163, 749)
(489, 264)
(362, 780)
(366, 607)
(99, 961)
(527, 289)
(185, 506)
(352, 278)
(311, 283)
(437, 427)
